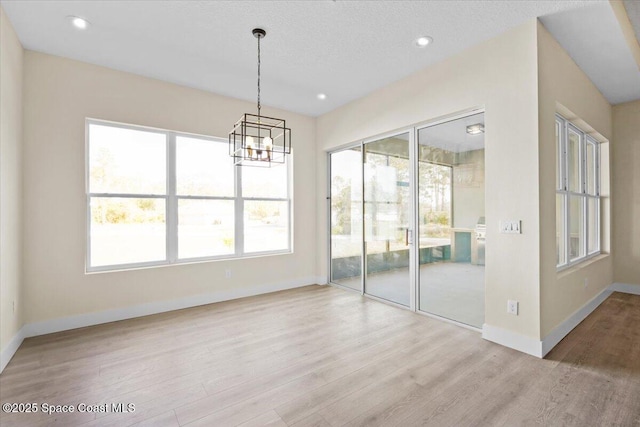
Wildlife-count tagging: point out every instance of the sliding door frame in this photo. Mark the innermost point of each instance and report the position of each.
(414, 247)
(410, 131)
(362, 263)
(417, 128)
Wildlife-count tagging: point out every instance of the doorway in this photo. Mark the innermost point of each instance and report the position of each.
(407, 218)
(451, 220)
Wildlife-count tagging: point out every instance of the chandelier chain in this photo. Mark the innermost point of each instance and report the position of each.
(259, 75)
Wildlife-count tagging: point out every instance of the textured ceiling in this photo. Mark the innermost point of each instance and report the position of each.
(345, 49)
(593, 38)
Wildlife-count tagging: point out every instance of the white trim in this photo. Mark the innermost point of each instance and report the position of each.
(498, 335)
(512, 340)
(322, 280)
(10, 349)
(541, 348)
(563, 329)
(627, 288)
(114, 315)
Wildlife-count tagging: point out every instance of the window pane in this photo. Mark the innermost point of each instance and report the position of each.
(591, 168)
(434, 204)
(203, 168)
(265, 225)
(561, 251)
(205, 228)
(126, 161)
(573, 153)
(576, 227)
(559, 185)
(346, 218)
(594, 219)
(265, 182)
(126, 231)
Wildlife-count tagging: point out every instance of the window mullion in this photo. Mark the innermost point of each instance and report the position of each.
(597, 177)
(565, 185)
(239, 212)
(172, 200)
(565, 155)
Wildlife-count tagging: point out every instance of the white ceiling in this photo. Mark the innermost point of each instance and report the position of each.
(345, 49)
(596, 43)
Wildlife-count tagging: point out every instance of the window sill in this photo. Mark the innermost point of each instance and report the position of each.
(162, 264)
(568, 270)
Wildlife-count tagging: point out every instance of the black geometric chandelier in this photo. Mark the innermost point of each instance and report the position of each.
(257, 140)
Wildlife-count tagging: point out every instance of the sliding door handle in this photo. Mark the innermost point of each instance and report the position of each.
(408, 237)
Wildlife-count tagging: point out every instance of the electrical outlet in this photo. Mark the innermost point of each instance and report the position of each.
(512, 307)
(227, 273)
(510, 227)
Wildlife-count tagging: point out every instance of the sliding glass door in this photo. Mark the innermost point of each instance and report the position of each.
(429, 179)
(346, 217)
(387, 218)
(451, 221)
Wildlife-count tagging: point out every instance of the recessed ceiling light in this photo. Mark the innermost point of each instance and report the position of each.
(423, 41)
(79, 23)
(322, 96)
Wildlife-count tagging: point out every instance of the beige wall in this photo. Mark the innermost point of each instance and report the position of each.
(626, 192)
(501, 76)
(59, 95)
(11, 60)
(565, 88)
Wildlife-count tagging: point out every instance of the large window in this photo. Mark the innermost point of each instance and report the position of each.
(157, 197)
(577, 194)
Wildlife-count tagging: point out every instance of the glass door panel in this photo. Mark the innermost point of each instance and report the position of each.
(346, 218)
(451, 225)
(387, 214)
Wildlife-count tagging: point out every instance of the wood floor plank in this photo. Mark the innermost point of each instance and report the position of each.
(166, 419)
(313, 420)
(268, 419)
(320, 356)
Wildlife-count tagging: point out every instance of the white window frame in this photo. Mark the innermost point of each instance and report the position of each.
(171, 203)
(564, 127)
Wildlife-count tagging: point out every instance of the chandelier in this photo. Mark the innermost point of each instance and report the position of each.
(258, 140)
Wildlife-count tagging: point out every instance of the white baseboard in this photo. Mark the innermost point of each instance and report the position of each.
(10, 349)
(539, 348)
(500, 336)
(512, 340)
(627, 288)
(90, 319)
(563, 329)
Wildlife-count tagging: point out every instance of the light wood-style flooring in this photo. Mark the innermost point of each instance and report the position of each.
(320, 356)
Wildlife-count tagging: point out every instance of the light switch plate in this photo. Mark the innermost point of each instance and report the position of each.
(510, 226)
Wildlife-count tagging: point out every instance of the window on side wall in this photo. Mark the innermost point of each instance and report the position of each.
(577, 194)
